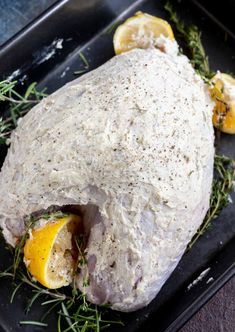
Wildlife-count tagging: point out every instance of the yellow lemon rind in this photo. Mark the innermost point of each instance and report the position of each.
(122, 41)
(38, 248)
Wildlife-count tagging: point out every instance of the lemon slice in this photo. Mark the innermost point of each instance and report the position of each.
(140, 31)
(48, 252)
(223, 93)
(226, 78)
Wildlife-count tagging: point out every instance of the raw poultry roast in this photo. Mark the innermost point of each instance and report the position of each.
(131, 144)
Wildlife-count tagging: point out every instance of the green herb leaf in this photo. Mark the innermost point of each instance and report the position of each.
(15, 291)
(224, 177)
(191, 38)
(86, 65)
(15, 105)
(76, 313)
(84, 60)
(32, 322)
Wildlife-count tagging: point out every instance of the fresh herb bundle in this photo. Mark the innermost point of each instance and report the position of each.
(74, 313)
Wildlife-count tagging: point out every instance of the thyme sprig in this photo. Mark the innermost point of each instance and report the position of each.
(223, 182)
(50, 215)
(80, 242)
(191, 38)
(15, 105)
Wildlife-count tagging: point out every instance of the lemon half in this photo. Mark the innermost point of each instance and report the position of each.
(140, 31)
(48, 252)
(223, 93)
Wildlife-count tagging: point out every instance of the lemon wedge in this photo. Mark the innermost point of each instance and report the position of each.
(140, 31)
(48, 252)
(223, 93)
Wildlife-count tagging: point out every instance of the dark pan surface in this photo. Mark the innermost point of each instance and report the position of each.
(83, 27)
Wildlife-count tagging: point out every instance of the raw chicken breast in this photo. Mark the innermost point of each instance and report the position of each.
(132, 143)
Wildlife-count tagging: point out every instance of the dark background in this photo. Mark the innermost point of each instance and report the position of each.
(15, 14)
(218, 315)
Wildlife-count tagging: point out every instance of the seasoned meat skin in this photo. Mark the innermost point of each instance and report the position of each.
(132, 142)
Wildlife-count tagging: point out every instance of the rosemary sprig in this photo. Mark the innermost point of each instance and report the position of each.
(223, 182)
(86, 65)
(75, 313)
(191, 38)
(32, 322)
(84, 60)
(5, 129)
(15, 105)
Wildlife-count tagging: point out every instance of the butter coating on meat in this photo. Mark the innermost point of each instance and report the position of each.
(133, 138)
